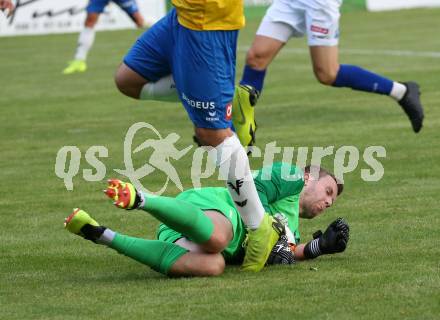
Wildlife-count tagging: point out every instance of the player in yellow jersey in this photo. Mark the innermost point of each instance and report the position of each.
(210, 14)
(192, 50)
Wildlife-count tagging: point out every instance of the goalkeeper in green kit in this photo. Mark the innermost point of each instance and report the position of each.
(201, 229)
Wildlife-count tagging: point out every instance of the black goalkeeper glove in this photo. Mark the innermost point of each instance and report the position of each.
(281, 253)
(334, 239)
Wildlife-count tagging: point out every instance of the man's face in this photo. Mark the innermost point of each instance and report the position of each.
(317, 195)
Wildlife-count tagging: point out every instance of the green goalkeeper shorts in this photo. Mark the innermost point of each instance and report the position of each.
(217, 199)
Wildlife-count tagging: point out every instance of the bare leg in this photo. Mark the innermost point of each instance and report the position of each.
(325, 63)
(129, 82)
(198, 264)
(212, 137)
(220, 237)
(262, 51)
(138, 19)
(91, 20)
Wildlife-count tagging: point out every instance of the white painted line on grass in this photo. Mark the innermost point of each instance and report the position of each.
(400, 53)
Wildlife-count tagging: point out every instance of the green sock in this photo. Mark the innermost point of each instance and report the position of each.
(158, 255)
(181, 216)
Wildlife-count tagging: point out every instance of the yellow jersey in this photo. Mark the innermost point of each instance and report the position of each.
(210, 14)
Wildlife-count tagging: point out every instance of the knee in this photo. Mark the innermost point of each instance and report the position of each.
(212, 137)
(257, 58)
(326, 76)
(119, 80)
(123, 84)
(91, 20)
(217, 267)
(204, 136)
(138, 19)
(218, 242)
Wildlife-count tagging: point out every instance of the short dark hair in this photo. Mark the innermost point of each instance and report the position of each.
(322, 172)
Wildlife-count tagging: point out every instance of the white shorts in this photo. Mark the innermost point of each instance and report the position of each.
(319, 19)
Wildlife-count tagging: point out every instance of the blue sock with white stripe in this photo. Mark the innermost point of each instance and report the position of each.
(360, 79)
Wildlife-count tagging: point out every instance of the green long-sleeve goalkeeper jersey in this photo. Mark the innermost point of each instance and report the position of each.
(279, 187)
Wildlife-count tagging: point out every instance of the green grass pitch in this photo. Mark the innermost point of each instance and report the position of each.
(390, 269)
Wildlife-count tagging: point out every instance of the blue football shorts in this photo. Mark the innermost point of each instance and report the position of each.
(202, 64)
(98, 6)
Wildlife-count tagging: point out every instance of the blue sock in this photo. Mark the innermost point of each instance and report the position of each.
(360, 79)
(252, 77)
